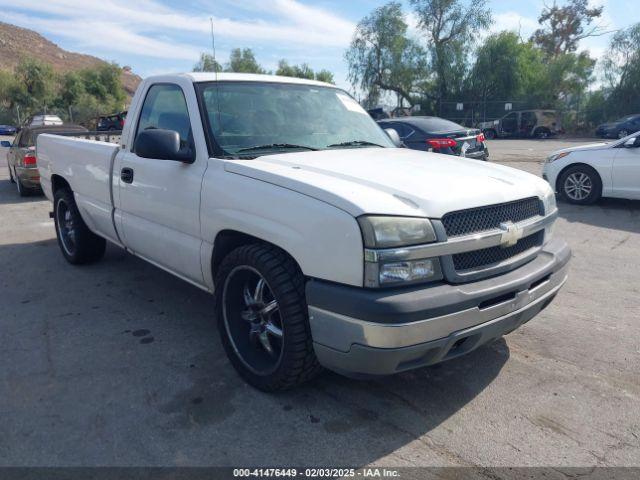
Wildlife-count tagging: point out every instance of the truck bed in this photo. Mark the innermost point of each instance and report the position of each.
(87, 166)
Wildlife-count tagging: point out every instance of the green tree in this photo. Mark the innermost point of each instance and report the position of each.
(207, 64)
(303, 71)
(622, 70)
(450, 27)
(562, 28)
(34, 84)
(71, 89)
(285, 70)
(325, 76)
(382, 57)
(243, 61)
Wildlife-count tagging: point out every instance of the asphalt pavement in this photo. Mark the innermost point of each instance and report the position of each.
(119, 364)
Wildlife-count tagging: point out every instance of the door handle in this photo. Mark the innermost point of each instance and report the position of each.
(126, 175)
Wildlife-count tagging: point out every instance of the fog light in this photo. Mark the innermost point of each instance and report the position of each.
(406, 271)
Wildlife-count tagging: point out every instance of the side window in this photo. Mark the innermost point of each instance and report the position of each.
(404, 130)
(25, 139)
(165, 107)
(529, 120)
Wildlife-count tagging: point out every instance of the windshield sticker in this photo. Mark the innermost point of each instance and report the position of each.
(350, 104)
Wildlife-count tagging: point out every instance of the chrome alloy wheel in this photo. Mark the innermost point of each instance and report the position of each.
(578, 186)
(252, 320)
(66, 227)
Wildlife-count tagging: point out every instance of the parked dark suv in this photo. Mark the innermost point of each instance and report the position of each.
(524, 124)
(111, 122)
(620, 128)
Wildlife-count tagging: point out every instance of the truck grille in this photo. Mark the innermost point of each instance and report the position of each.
(489, 256)
(473, 220)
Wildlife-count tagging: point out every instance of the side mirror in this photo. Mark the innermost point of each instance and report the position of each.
(162, 144)
(633, 142)
(393, 135)
(5, 144)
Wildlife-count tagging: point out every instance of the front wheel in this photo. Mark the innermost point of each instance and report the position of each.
(78, 244)
(542, 133)
(580, 184)
(623, 133)
(263, 319)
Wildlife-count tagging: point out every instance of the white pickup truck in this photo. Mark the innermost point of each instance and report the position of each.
(324, 244)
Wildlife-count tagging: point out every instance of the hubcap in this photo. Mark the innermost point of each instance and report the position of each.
(66, 227)
(578, 186)
(252, 320)
(622, 134)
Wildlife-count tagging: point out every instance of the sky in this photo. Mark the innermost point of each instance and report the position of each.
(159, 36)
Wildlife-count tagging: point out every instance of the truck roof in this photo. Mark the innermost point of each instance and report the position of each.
(197, 77)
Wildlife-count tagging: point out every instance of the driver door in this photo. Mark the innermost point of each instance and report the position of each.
(510, 124)
(159, 200)
(626, 171)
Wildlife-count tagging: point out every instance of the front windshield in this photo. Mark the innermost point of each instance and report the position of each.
(251, 118)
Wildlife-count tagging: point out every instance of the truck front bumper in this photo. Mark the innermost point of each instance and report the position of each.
(358, 331)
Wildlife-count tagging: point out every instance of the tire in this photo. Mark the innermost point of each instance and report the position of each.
(490, 134)
(623, 133)
(22, 190)
(78, 244)
(582, 178)
(246, 315)
(542, 133)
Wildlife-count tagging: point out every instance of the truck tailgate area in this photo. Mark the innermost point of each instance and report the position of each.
(86, 165)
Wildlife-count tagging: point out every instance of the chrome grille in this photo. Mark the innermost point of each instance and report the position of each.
(473, 220)
(478, 259)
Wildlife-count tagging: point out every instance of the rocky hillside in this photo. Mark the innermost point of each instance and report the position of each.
(16, 43)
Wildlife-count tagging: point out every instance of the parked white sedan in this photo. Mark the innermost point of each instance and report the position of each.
(584, 174)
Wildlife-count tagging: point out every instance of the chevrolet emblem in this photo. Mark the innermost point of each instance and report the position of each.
(511, 233)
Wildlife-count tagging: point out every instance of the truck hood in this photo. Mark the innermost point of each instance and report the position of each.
(392, 181)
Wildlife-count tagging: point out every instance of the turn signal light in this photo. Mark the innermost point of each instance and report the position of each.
(29, 160)
(480, 138)
(441, 142)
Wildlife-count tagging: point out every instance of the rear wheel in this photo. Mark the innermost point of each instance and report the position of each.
(78, 244)
(580, 184)
(262, 318)
(22, 190)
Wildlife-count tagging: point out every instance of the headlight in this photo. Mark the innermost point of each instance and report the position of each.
(389, 258)
(549, 202)
(390, 232)
(557, 156)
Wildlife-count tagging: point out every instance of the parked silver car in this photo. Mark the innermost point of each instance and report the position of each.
(21, 157)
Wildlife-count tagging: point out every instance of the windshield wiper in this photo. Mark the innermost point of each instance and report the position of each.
(355, 143)
(275, 146)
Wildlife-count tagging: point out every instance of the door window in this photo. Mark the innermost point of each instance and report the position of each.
(510, 123)
(528, 120)
(403, 130)
(165, 107)
(25, 139)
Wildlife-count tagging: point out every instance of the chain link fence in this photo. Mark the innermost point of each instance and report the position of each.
(472, 113)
